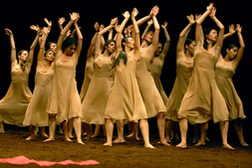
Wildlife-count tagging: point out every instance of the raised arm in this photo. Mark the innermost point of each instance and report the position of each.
(119, 29)
(242, 46)
(220, 38)
(73, 17)
(33, 45)
(92, 43)
(231, 31)
(199, 35)
(45, 31)
(134, 13)
(146, 30)
(167, 42)
(13, 46)
(155, 38)
(80, 37)
(98, 51)
(184, 34)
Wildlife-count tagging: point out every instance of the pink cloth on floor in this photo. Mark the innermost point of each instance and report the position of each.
(21, 160)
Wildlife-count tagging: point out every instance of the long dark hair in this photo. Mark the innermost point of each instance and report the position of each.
(206, 32)
(122, 55)
(68, 42)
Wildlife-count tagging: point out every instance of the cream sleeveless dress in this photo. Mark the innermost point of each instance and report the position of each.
(224, 72)
(94, 104)
(125, 101)
(36, 113)
(65, 98)
(151, 96)
(183, 75)
(14, 104)
(203, 100)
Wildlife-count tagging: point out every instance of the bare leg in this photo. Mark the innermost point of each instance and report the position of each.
(52, 128)
(43, 132)
(144, 127)
(183, 126)
(161, 128)
(97, 130)
(88, 130)
(1, 128)
(32, 135)
(134, 129)
(168, 126)
(224, 133)
(77, 128)
(70, 128)
(239, 130)
(65, 130)
(104, 129)
(203, 131)
(130, 129)
(109, 131)
(120, 137)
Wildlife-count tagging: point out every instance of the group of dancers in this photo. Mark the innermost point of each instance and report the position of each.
(122, 81)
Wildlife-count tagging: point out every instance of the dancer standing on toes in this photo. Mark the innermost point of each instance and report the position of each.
(14, 104)
(65, 100)
(225, 69)
(125, 101)
(184, 63)
(36, 114)
(94, 103)
(203, 100)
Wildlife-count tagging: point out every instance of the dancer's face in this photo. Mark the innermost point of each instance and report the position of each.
(70, 50)
(53, 46)
(24, 56)
(232, 53)
(50, 56)
(130, 43)
(149, 36)
(213, 35)
(111, 47)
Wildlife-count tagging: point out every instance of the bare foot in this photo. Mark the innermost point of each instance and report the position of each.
(70, 136)
(44, 135)
(149, 146)
(168, 139)
(227, 146)
(108, 144)
(67, 139)
(181, 145)
(87, 138)
(200, 143)
(79, 141)
(2, 130)
(30, 137)
(49, 139)
(117, 140)
(244, 144)
(164, 143)
(130, 135)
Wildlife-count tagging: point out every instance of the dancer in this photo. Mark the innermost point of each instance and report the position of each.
(151, 97)
(36, 114)
(225, 69)
(65, 100)
(14, 104)
(125, 101)
(94, 103)
(184, 62)
(203, 100)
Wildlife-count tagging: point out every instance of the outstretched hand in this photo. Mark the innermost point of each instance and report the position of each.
(191, 18)
(8, 31)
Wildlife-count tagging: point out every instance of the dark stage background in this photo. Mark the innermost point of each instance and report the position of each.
(19, 15)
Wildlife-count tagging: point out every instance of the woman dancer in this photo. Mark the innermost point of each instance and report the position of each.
(65, 100)
(225, 69)
(203, 100)
(125, 101)
(184, 62)
(14, 104)
(94, 103)
(36, 114)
